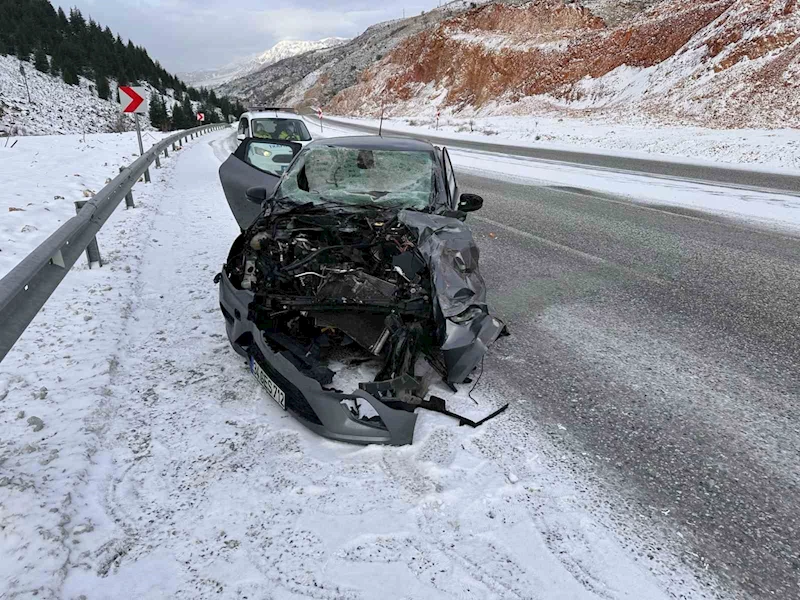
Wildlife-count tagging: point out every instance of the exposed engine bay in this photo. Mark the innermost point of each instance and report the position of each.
(324, 280)
(363, 282)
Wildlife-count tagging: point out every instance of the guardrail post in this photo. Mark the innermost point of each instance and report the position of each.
(174, 146)
(166, 152)
(92, 250)
(147, 175)
(129, 196)
(158, 162)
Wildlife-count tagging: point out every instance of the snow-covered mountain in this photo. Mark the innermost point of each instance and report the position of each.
(213, 78)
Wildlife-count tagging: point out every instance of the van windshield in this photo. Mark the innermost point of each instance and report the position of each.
(293, 130)
(403, 179)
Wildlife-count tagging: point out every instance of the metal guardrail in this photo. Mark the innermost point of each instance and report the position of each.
(24, 290)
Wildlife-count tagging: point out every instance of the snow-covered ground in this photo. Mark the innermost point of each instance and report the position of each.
(781, 211)
(139, 459)
(41, 177)
(775, 148)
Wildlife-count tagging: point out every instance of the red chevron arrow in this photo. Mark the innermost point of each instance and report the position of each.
(135, 99)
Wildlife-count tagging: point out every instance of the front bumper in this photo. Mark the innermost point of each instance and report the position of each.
(318, 409)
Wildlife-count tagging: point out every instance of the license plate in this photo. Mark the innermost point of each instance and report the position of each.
(270, 386)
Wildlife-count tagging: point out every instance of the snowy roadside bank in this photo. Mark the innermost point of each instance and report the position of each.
(162, 469)
(770, 148)
(41, 177)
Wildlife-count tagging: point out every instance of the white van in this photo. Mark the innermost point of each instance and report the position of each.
(280, 124)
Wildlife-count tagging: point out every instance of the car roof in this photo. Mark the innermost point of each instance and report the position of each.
(374, 142)
(272, 114)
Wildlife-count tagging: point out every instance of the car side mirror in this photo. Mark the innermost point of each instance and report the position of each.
(257, 195)
(469, 202)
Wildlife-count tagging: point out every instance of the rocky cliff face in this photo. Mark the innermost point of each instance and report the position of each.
(315, 77)
(710, 62)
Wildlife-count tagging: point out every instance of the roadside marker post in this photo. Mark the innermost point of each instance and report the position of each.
(438, 114)
(25, 77)
(92, 250)
(319, 116)
(129, 203)
(132, 101)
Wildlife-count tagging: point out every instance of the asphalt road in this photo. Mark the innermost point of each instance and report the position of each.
(663, 346)
(729, 176)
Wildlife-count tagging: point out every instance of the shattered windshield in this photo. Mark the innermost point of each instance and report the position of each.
(402, 179)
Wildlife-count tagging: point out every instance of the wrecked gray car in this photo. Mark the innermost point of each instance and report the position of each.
(354, 254)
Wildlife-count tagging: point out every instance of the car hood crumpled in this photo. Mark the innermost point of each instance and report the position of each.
(451, 254)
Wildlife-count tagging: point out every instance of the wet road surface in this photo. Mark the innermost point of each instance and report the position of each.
(664, 345)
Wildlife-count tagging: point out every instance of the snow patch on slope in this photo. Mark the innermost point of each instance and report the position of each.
(58, 108)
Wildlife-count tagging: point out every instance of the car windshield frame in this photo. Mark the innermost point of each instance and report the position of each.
(304, 134)
(289, 190)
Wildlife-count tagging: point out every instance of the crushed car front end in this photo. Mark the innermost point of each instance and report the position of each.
(326, 412)
(377, 290)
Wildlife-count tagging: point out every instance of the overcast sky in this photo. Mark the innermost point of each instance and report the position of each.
(189, 35)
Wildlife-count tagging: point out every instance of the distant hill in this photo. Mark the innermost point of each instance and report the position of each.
(316, 76)
(214, 78)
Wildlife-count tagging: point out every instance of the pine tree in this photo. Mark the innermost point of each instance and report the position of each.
(23, 49)
(76, 21)
(63, 22)
(55, 65)
(178, 117)
(41, 61)
(158, 113)
(103, 91)
(68, 72)
(188, 111)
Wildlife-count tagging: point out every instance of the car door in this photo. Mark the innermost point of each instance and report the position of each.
(255, 163)
(450, 179)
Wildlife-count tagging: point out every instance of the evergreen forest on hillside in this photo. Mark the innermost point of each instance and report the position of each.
(70, 46)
